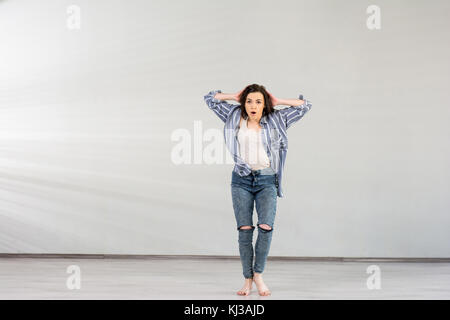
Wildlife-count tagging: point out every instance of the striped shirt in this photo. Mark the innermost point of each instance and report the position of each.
(273, 130)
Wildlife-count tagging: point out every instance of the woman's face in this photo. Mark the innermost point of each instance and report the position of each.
(254, 105)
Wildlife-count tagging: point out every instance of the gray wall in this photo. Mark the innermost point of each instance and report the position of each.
(87, 117)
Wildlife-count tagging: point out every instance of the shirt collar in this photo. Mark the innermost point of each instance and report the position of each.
(263, 119)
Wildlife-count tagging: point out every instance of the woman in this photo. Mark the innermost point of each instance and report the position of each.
(255, 134)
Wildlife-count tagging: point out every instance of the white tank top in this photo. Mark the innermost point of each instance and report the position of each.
(251, 147)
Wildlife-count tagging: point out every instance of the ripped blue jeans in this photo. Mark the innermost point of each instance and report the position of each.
(260, 188)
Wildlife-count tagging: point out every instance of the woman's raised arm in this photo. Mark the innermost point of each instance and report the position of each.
(296, 111)
(215, 101)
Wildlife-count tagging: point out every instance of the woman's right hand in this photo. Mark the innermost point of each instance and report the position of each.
(237, 96)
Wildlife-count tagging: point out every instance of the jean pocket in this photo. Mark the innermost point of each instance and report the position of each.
(235, 178)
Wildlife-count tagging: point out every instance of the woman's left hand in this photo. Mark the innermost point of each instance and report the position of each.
(275, 101)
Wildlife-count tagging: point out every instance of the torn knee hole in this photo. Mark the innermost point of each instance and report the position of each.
(265, 227)
(246, 227)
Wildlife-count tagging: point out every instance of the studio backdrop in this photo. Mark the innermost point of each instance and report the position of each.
(107, 146)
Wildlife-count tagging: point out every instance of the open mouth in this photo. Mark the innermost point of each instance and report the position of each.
(253, 112)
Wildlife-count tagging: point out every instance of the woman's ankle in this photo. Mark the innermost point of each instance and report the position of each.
(257, 275)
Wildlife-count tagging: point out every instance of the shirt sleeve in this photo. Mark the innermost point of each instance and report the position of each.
(220, 107)
(292, 114)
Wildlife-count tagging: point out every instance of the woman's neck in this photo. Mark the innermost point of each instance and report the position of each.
(257, 121)
(253, 124)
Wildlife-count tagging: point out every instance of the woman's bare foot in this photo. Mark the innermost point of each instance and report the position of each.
(262, 288)
(245, 291)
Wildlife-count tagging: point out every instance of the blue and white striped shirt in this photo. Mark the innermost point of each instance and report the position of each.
(273, 130)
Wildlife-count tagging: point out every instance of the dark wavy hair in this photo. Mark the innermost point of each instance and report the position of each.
(268, 106)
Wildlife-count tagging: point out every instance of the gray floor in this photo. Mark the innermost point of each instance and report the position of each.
(190, 278)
